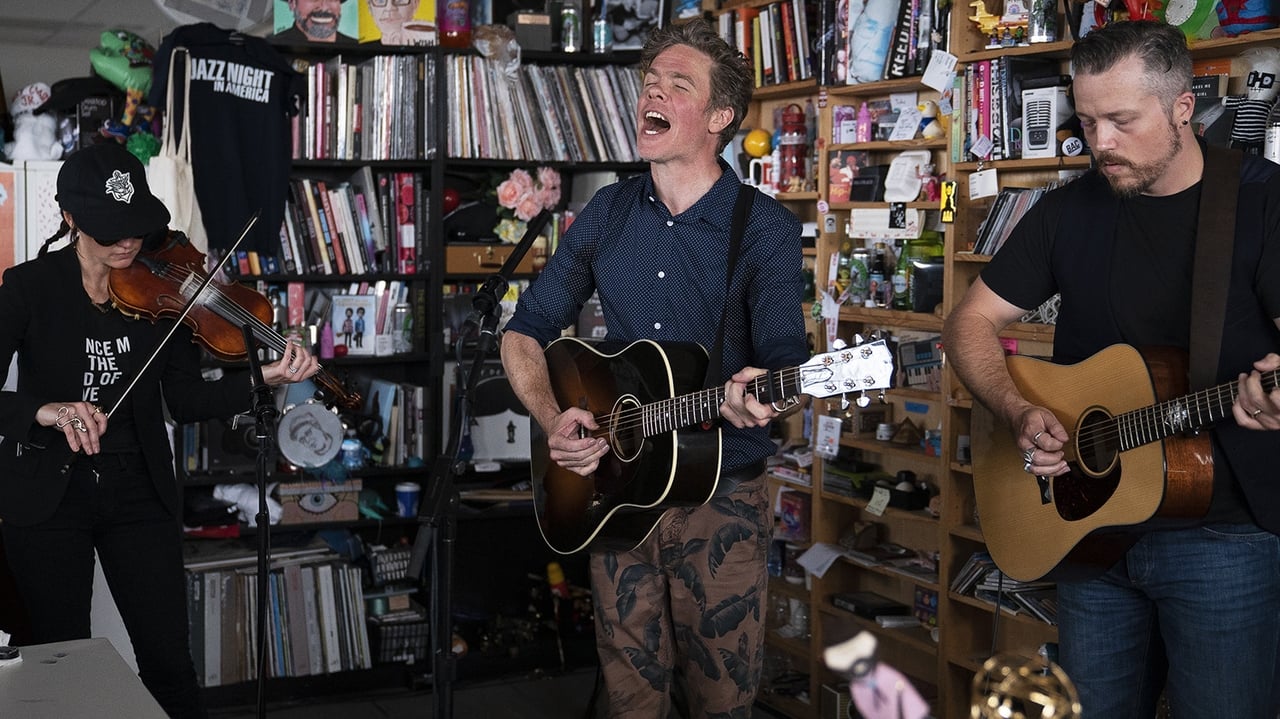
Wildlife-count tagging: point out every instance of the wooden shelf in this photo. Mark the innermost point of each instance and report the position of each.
(891, 318)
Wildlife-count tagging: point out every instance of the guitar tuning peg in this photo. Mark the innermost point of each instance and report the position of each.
(864, 401)
(858, 339)
(844, 401)
(882, 398)
(838, 344)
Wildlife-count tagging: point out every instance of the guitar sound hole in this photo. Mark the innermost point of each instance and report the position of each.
(626, 436)
(1097, 442)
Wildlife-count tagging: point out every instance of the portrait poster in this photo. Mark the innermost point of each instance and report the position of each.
(318, 21)
(352, 320)
(388, 23)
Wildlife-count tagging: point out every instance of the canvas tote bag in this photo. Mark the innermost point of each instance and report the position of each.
(169, 172)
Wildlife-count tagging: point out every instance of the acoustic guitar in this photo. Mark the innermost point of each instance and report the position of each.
(1135, 461)
(664, 445)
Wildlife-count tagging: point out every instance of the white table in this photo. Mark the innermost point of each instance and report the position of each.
(70, 680)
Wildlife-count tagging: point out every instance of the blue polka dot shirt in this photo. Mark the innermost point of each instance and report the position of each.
(662, 277)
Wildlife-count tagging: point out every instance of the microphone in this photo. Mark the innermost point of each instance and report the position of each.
(491, 292)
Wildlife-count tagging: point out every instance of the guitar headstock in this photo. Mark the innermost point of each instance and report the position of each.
(861, 368)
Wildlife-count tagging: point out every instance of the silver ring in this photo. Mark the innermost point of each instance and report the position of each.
(1029, 455)
(1027, 468)
(1036, 439)
(293, 370)
(1255, 413)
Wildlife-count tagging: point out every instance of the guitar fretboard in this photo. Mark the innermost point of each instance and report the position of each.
(1184, 414)
(669, 415)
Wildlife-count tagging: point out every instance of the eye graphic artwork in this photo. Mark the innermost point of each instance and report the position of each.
(317, 502)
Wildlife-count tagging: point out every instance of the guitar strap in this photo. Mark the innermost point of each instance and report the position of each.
(741, 209)
(1215, 239)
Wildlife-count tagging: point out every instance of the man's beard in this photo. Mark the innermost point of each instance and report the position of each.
(1143, 176)
(322, 30)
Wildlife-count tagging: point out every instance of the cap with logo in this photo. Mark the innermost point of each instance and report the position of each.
(104, 187)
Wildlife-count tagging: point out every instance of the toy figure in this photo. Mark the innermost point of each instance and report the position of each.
(1253, 108)
(879, 691)
(35, 137)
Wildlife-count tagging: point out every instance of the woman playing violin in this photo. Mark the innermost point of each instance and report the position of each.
(85, 466)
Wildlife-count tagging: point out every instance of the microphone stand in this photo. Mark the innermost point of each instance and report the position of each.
(437, 518)
(265, 414)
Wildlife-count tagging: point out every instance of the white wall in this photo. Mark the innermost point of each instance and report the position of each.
(21, 65)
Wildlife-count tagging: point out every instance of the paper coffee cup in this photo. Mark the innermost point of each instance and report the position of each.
(407, 498)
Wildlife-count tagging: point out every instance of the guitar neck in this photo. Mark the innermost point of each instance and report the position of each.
(1184, 414)
(687, 410)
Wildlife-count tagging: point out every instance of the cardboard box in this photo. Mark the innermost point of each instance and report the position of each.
(307, 502)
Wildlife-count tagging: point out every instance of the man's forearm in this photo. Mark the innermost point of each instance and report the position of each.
(526, 368)
(974, 351)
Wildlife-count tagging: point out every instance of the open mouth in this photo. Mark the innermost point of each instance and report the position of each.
(655, 123)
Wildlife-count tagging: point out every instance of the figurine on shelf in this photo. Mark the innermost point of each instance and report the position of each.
(879, 691)
(35, 136)
(1253, 108)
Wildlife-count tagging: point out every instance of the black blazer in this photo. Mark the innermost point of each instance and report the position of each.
(42, 310)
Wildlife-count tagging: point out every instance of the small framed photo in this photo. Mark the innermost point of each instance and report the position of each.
(354, 326)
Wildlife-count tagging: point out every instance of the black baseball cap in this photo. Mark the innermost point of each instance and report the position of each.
(104, 187)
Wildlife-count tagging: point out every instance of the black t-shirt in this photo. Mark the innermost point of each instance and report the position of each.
(111, 360)
(243, 92)
(1152, 267)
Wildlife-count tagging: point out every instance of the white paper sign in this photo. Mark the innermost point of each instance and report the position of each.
(878, 502)
(941, 70)
(907, 125)
(983, 183)
(899, 101)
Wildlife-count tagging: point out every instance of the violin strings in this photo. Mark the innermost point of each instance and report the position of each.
(229, 309)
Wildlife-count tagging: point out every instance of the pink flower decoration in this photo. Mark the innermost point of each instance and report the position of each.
(549, 179)
(513, 190)
(528, 207)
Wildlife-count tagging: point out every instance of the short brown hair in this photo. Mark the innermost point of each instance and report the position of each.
(731, 78)
(1162, 50)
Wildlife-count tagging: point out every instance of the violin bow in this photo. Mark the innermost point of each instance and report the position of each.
(204, 284)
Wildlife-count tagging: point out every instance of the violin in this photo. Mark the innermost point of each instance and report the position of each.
(160, 283)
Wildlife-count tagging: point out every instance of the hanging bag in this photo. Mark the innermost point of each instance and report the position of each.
(169, 173)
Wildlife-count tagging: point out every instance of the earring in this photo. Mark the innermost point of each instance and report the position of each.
(1186, 122)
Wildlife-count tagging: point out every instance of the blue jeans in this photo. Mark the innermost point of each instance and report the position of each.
(1193, 612)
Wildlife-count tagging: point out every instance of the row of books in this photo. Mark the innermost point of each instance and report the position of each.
(541, 112)
(376, 109)
(1005, 212)
(980, 578)
(989, 97)
(315, 620)
(401, 409)
(774, 37)
(298, 305)
(367, 223)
